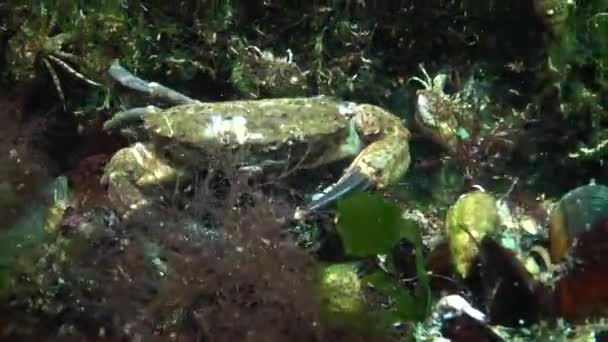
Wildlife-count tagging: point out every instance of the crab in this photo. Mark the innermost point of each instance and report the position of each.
(438, 114)
(274, 134)
(33, 43)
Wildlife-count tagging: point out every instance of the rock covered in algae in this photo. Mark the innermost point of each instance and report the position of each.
(342, 292)
(472, 217)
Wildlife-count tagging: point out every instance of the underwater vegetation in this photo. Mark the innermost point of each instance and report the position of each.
(174, 275)
(480, 126)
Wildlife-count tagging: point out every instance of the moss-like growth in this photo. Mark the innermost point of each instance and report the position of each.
(342, 294)
(220, 266)
(260, 74)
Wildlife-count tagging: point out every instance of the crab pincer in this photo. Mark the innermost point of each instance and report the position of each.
(381, 163)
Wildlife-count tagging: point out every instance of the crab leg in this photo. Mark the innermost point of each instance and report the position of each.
(127, 117)
(355, 181)
(382, 163)
(127, 79)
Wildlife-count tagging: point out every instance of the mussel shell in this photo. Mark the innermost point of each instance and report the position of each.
(463, 328)
(576, 212)
(582, 292)
(473, 216)
(512, 296)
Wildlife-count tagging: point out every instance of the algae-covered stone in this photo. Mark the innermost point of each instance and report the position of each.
(342, 293)
(472, 217)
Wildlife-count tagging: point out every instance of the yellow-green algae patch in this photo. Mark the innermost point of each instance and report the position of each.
(472, 217)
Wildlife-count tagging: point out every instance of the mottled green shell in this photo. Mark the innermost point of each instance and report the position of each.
(576, 212)
(472, 217)
(318, 129)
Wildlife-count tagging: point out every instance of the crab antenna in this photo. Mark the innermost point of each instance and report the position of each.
(127, 79)
(354, 181)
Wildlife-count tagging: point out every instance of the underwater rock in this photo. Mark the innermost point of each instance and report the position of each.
(472, 217)
(342, 292)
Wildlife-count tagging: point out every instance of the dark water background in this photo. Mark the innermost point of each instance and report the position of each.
(531, 72)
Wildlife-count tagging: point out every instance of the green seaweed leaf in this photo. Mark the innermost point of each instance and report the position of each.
(367, 224)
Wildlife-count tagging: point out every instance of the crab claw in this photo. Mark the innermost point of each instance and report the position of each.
(349, 183)
(382, 163)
